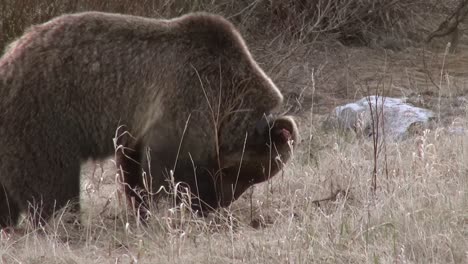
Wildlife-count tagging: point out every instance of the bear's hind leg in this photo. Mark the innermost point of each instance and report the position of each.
(61, 190)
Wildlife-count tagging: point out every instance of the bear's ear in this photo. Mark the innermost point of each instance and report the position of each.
(284, 130)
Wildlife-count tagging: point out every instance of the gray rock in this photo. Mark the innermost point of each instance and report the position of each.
(396, 118)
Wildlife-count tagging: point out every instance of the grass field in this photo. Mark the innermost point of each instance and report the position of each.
(328, 206)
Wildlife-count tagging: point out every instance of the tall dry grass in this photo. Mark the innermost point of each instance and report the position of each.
(418, 214)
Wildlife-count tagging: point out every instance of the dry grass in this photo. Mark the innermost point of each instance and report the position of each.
(418, 213)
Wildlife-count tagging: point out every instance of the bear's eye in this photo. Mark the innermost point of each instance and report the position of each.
(263, 125)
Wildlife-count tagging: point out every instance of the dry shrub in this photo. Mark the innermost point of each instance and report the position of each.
(349, 21)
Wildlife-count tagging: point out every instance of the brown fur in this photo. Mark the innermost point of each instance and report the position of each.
(66, 85)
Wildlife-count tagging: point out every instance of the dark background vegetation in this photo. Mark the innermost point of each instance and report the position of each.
(349, 21)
